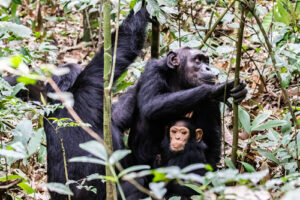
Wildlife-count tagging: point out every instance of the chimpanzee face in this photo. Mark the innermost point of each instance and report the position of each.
(197, 70)
(192, 66)
(179, 136)
(181, 133)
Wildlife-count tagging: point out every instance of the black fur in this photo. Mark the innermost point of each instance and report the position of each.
(163, 95)
(193, 153)
(88, 96)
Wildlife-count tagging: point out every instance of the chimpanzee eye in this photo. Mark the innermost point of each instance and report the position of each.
(183, 132)
(173, 131)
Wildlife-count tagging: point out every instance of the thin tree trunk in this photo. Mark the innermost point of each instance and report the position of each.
(236, 81)
(110, 186)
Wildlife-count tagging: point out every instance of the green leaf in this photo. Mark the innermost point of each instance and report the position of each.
(35, 141)
(132, 169)
(59, 188)
(26, 188)
(23, 132)
(15, 61)
(229, 163)
(273, 135)
(87, 160)
(175, 198)
(12, 154)
(16, 29)
(267, 21)
(95, 148)
(17, 88)
(260, 118)
(269, 124)
(137, 6)
(244, 118)
(286, 79)
(268, 155)
(17, 2)
(193, 167)
(281, 14)
(5, 3)
(118, 155)
(158, 189)
(194, 187)
(248, 167)
(152, 7)
(26, 80)
(10, 177)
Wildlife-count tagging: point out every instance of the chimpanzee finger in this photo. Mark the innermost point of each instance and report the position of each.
(229, 105)
(230, 85)
(240, 86)
(239, 94)
(239, 100)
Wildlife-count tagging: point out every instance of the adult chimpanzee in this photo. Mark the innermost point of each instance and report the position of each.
(182, 146)
(34, 92)
(171, 87)
(88, 103)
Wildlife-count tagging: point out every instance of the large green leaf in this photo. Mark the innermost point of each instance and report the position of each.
(26, 188)
(268, 155)
(267, 21)
(244, 118)
(260, 118)
(59, 188)
(133, 169)
(87, 160)
(281, 14)
(16, 29)
(35, 142)
(269, 124)
(248, 167)
(95, 148)
(118, 155)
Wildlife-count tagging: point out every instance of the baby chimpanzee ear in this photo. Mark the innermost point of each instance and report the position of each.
(199, 134)
(173, 60)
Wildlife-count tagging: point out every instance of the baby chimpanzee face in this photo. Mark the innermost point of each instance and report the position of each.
(179, 136)
(180, 133)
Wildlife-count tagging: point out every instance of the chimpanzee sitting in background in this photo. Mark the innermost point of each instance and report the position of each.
(182, 146)
(171, 87)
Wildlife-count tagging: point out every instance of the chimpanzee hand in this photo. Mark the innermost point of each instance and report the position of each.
(238, 93)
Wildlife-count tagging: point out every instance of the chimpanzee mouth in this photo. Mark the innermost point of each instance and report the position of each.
(210, 81)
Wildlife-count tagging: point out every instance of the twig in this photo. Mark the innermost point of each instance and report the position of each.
(75, 115)
(215, 24)
(260, 75)
(100, 40)
(5, 187)
(89, 25)
(236, 81)
(197, 30)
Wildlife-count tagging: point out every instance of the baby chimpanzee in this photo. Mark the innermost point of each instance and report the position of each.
(182, 146)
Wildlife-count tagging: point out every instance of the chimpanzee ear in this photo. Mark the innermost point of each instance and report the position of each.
(199, 134)
(173, 60)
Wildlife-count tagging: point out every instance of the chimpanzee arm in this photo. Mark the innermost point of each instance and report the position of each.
(123, 110)
(160, 105)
